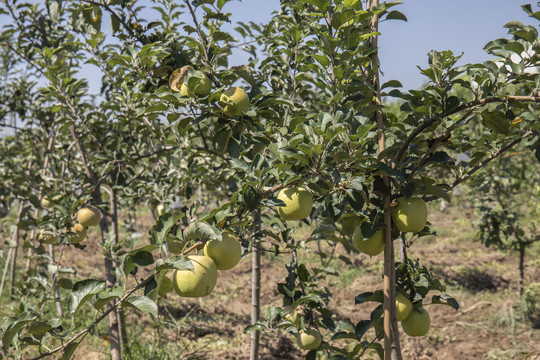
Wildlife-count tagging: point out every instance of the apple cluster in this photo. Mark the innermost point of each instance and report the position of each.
(234, 101)
(87, 216)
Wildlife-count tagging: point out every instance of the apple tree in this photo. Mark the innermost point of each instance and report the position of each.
(315, 120)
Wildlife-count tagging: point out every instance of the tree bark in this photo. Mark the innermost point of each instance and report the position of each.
(521, 280)
(255, 287)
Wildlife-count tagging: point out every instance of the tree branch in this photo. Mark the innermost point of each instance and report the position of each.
(430, 121)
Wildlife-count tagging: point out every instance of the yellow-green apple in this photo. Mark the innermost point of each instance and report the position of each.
(372, 246)
(410, 215)
(225, 253)
(308, 339)
(176, 82)
(298, 203)
(236, 101)
(159, 209)
(417, 323)
(79, 233)
(403, 306)
(89, 216)
(47, 203)
(198, 282)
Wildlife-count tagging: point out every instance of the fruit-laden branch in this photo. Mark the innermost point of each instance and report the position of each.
(428, 122)
(110, 309)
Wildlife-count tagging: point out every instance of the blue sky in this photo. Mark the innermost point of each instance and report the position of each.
(462, 26)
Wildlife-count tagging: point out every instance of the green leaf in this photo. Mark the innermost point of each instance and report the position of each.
(82, 291)
(127, 265)
(445, 300)
(176, 262)
(53, 8)
(391, 83)
(14, 328)
(396, 15)
(376, 296)
(142, 258)
(251, 328)
(361, 328)
(496, 121)
(69, 350)
(438, 192)
(201, 230)
(143, 304)
(165, 222)
(251, 197)
(105, 296)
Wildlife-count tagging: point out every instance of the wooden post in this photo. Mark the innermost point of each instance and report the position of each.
(255, 286)
(392, 350)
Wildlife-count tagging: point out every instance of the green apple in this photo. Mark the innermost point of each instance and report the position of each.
(89, 216)
(225, 253)
(410, 215)
(79, 233)
(159, 209)
(417, 323)
(403, 306)
(372, 246)
(47, 203)
(198, 282)
(293, 317)
(176, 82)
(308, 339)
(298, 203)
(236, 101)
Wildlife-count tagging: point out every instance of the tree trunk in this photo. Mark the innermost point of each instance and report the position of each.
(13, 265)
(119, 312)
(5, 272)
(521, 280)
(12, 254)
(255, 286)
(59, 309)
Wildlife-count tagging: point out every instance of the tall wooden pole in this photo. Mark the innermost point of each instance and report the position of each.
(255, 286)
(392, 350)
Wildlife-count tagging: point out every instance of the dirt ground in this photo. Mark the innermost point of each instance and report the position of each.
(488, 324)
